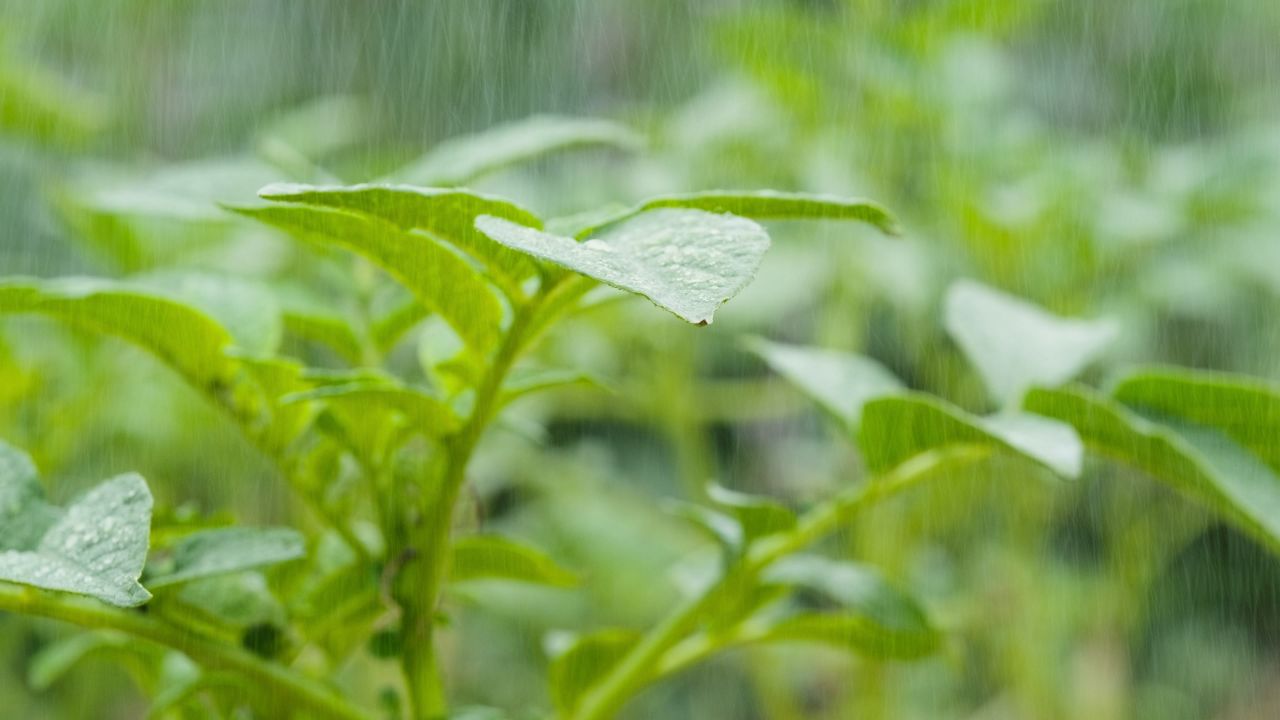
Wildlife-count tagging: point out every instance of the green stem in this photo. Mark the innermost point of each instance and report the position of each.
(419, 588)
(288, 688)
(645, 662)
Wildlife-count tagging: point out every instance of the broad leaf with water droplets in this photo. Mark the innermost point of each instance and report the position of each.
(24, 514)
(96, 548)
(687, 261)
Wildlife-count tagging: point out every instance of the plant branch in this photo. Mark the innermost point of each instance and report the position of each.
(648, 660)
(419, 588)
(288, 688)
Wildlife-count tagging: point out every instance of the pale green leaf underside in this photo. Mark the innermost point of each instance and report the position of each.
(689, 262)
(96, 548)
(867, 615)
(209, 553)
(1016, 345)
(489, 557)
(444, 213)
(840, 382)
(183, 337)
(762, 205)
(24, 514)
(896, 429)
(1202, 463)
(442, 280)
(460, 160)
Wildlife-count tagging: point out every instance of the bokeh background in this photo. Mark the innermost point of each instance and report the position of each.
(1099, 157)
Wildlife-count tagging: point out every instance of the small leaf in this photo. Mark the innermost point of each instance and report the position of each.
(841, 383)
(328, 330)
(423, 412)
(440, 279)
(1201, 463)
(460, 160)
(445, 214)
(865, 613)
(97, 548)
(585, 663)
(181, 336)
(764, 205)
(57, 658)
(526, 381)
(719, 526)
(687, 261)
(489, 557)
(239, 600)
(226, 550)
(896, 429)
(1015, 345)
(758, 516)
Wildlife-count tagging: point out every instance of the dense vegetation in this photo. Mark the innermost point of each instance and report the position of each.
(399, 360)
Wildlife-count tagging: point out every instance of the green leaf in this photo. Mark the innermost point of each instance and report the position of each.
(896, 429)
(444, 214)
(24, 515)
(585, 663)
(489, 557)
(226, 550)
(245, 308)
(423, 412)
(526, 381)
(328, 330)
(460, 160)
(57, 658)
(1201, 463)
(764, 205)
(840, 382)
(443, 281)
(181, 336)
(719, 526)
(758, 516)
(238, 600)
(687, 261)
(1016, 345)
(1245, 409)
(863, 612)
(96, 548)
(38, 104)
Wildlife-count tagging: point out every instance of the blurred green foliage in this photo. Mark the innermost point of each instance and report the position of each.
(1101, 158)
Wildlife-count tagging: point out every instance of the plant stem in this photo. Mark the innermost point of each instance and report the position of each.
(642, 664)
(418, 591)
(289, 689)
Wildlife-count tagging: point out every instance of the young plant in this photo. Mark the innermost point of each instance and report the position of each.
(268, 615)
